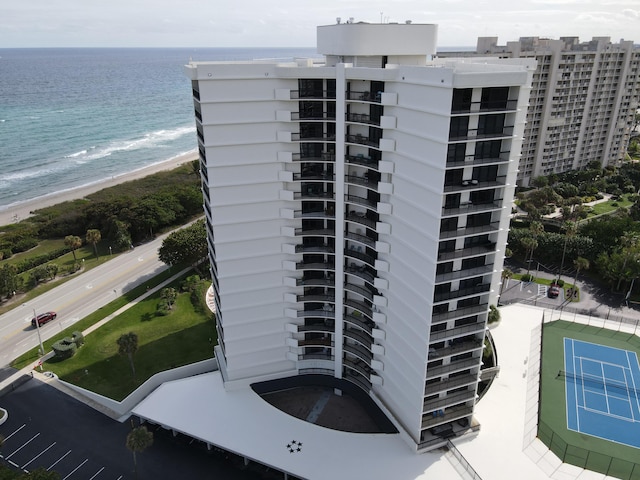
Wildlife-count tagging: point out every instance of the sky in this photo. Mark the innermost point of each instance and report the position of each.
(291, 23)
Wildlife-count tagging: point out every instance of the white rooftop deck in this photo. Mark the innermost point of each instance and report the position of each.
(505, 448)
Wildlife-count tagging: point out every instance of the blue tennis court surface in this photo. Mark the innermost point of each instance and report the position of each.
(602, 389)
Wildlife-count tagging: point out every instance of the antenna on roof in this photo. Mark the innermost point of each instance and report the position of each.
(338, 20)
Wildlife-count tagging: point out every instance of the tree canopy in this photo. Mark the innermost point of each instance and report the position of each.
(187, 246)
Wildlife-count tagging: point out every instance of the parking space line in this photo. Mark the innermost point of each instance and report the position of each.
(75, 469)
(23, 445)
(97, 473)
(58, 460)
(38, 454)
(119, 477)
(8, 437)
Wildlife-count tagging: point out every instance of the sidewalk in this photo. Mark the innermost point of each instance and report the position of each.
(32, 370)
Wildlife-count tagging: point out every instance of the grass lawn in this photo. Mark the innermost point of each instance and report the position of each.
(180, 338)
(32, 355)
(610, 206)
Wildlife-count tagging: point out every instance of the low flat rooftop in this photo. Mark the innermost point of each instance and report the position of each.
(242, 422)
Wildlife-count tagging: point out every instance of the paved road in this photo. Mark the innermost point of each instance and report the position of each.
(75, 299)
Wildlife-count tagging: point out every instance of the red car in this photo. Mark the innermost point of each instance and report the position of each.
(43, 318)
(554, 291)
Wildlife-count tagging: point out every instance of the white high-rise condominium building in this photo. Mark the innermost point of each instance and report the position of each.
(357, 210)
(583, 100)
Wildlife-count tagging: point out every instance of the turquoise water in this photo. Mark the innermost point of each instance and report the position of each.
(72, 117)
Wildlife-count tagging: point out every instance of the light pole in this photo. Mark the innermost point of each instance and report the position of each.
(109, 250)
(38, 330)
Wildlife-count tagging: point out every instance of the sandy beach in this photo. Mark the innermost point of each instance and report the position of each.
(15, 213)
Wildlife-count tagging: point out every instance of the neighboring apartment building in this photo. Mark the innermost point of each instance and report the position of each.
(357, 211)
(583, 100)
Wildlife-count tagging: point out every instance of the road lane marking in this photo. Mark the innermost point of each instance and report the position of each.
(75, 469)
(7, 438)
(38, 455)
(97, 473)
(56, 462)
(23, 445)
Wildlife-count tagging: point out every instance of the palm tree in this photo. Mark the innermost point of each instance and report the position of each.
(630, 243)
(536, 228)
(73, 242)
(570, 229)
(530, 244)
(579, 264)
(505, 276)
(93, 237)
(128, 345)
(138, 440)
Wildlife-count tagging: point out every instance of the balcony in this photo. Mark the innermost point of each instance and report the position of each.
(358, 237)
(360, 272)
(469, 329)
(362, 291)
(365, 96)
(362, 118)
(317, 328)
(313, 94)
(486, 106)
(359, 366)
(322, 176)
(463, 292)
(316, 282)
(307, 116)
(447, 400)
(450, 414)
(467, 231)
(319, 248)
(468, 272)
(362, 307)
(356, 252)
(316, 298)
(484, 249)
(326, 214)
(362, 160)
(450, 384)
(475, 134)
(359, 352)
(324, 266)
(361, 218)
(324, 157)
(359, 336)
(315, 232)
(359, 139)
(475, 185)
(312, 195)
(358, 380)
(456, 348)
(459, 313)
(360, 322)
(297, 137)
(469, 207)
(457, 366)
(324, 312)
(362, 180)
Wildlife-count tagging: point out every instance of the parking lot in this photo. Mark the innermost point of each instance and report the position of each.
(44, 431)
(46, 428)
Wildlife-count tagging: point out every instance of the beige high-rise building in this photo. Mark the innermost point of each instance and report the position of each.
(583, 99)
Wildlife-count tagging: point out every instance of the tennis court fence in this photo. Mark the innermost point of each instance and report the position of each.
(587, 459)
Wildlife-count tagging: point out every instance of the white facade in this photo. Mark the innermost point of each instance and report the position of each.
(357, 216)
(583, 100)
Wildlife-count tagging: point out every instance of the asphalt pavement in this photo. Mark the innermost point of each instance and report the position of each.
(595, 299)
(46, 428)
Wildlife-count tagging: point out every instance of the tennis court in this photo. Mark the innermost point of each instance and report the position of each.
(602, 391)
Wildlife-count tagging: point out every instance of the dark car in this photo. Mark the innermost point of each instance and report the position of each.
(554, 291)
(43, 318)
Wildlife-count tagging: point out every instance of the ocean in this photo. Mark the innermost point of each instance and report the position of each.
(76, 116)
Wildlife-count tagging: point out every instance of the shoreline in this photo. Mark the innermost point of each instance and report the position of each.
(19, 211)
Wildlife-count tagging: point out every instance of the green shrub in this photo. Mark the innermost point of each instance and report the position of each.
(494, 314)
(163, 308)
(78, 338)
(527, 277)
(560, 283)
(65, 348)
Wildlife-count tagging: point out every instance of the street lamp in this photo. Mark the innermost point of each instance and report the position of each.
(38, 330)
(109, 250)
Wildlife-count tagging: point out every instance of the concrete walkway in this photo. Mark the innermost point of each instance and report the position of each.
(35, 369)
